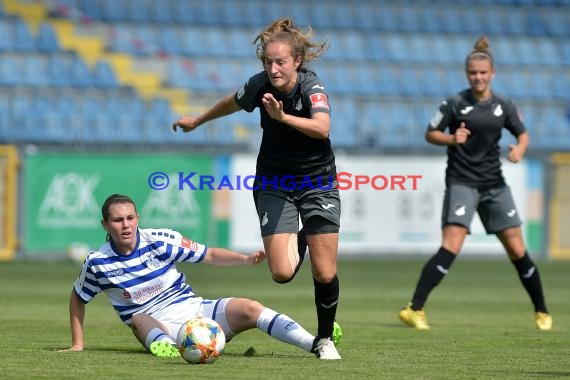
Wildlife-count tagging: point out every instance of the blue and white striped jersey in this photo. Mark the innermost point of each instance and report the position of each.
(144, 281)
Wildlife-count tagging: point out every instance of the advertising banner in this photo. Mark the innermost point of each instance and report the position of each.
(64, 193)
(390, 205)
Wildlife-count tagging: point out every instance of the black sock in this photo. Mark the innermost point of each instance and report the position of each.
(431, 275)
(326, 300)
(530, 278)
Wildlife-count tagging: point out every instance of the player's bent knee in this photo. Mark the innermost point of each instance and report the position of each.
(282, 280)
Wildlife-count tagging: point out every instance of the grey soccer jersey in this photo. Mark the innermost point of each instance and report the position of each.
(285, 151)
(477, 162)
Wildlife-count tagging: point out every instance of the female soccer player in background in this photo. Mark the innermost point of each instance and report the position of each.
(136, 269)
(474, 183)
(295, 118)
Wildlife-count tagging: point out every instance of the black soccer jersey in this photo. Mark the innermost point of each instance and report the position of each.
(477, 162)
(285, 151)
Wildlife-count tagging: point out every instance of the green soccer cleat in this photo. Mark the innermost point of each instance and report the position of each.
(164, 350)
(337, 334)
(543, 321)
(414, 318)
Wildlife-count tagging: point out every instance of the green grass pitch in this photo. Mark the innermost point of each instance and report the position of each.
(481, 319)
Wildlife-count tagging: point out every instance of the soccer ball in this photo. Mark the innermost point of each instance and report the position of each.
(200, 340)
(77, 252)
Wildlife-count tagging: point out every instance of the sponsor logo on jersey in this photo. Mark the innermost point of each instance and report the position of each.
(511, 213)
(497, 110)
(187, 243)
(151, 262)
(126, 294)
(327, 206)
(466, 110)
(319, 100)
(298, 104)
(114, 273)
(241, 92)
(460, 210)
(436, 119)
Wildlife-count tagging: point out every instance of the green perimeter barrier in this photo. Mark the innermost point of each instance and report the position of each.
(64, 193)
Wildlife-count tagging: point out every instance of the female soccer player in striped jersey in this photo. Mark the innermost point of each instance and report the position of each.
(475, 183)
(295, 118)
(136, 269)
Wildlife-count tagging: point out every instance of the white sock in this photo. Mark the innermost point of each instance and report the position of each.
(283, 328)
(157, 335)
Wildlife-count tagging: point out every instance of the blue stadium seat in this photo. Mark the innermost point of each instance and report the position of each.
(57, 71)
(169, 41)
(348, 45)
(22, 39)
(450, 20)
(420, 51)
(492, 21)
(136, 11)
(79, 73)
(112, 10)
(387, 17)
(159, 11)
(240, 42)
(364, 17)
(10, 74)
(184, 12)
(375, 47)
(34, 71)
(397, 49)
(548, 51)
(334, 83)
(46, 40)
(515, 22)
(428, 20)
(343, 123)
(565, 52)
(370, 120)
(387, 81)
(557, 22)
(504, 51)
(104, 76)
(5, 36)
(526, 50)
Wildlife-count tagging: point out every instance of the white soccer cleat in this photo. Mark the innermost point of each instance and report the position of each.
(325, 350)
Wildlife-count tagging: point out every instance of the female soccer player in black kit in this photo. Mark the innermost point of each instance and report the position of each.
(474, 183)
(296, 170)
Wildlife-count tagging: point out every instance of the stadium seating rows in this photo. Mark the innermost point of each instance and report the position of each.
(387, 69)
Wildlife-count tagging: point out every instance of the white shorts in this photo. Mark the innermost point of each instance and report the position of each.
(175, 315)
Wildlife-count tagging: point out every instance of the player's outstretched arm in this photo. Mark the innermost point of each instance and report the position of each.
(222, 256)
(223, 107)
(76, 318)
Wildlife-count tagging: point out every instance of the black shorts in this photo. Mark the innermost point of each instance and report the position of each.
(279, 210)
(496, 207)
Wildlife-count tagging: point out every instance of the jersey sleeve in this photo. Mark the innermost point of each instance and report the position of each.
(86, 285)
(179, 247)
(248, 96)
(315, 96)
(514, 122)
(442, 117)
